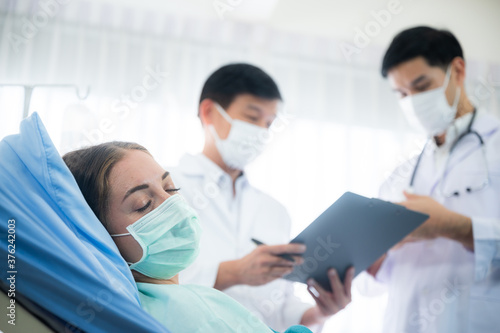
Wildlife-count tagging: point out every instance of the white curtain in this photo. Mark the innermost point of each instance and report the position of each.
(342, 130)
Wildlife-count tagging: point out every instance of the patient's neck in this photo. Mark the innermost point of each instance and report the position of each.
(139, 277)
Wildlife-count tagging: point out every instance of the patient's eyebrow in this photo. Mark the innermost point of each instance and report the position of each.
(142, 187)
(134, 189)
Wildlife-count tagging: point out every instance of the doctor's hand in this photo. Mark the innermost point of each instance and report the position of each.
(259, 267)
(442, 222)
(328, 303)
(375, 267)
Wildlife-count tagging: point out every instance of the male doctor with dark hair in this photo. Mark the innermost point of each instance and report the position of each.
(238, 106)
(445, 277)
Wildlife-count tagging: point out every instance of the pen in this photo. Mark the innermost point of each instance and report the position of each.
(284, 255)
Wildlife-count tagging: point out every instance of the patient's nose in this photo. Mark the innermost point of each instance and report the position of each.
(162, 196)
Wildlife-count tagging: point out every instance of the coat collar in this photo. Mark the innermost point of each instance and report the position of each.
(485, 124)
(201, 166)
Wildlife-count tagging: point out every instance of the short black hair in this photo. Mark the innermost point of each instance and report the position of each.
(437, 47)
(229, 81)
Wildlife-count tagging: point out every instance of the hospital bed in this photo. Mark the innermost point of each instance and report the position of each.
(63, 261)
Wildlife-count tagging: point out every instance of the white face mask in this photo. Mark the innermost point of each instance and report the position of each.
(429, 110)
(243, 144)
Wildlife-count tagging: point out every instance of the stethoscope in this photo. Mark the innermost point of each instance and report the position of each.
(468, 189)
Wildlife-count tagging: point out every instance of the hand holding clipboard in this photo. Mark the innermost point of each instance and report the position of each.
(353, 231)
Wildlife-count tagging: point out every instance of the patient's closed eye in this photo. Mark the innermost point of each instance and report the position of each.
(146, 206)
(140, 210)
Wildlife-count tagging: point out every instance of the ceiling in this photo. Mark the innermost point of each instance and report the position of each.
(475, 23)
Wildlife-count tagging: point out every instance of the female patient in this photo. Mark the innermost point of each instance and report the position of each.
(157, 233)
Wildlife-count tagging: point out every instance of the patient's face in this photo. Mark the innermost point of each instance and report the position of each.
(137, 186)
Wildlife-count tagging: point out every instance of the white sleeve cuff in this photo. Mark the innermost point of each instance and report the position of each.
(486, 233)
(294, 308)
(368, 286)
(486, 228)
(203, 275)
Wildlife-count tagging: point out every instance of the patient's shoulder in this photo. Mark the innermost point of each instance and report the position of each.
(194, 308)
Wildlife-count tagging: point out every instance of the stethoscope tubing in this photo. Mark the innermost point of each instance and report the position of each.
(469, 131)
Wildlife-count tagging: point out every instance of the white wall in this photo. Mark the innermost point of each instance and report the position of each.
(475, 22)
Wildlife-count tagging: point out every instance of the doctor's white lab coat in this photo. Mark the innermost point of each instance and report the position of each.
(229, 222)
(438, 285)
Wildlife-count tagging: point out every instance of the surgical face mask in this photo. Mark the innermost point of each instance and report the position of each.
(429, 110)
(244, 143)
(169, 237)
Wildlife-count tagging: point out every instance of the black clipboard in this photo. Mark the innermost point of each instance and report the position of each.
(353, 231)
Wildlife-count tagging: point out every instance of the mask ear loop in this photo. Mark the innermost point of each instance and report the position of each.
(119, 235)
(458, 90)
(457, 98)
(223, 113)
(447, 77)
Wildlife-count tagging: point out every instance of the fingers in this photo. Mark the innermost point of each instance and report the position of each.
(273, 254)
(348, 282)
(324, 299)
(409, 195)
(337, 287)
(339, 293)
(285, 248)
(273, 260)
(332, 302)
(408, 239)
(375, 267)
(278, 272)
(314, 294)
(298, 260)
(410, 199)
(405, 204)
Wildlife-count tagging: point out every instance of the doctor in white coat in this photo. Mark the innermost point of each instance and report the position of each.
(238, 105)
(445, 277)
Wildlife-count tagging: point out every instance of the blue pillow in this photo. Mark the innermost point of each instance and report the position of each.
(65, 260)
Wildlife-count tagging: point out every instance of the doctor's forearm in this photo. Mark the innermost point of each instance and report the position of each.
(313, 318)
(461, 230)
(227, 275)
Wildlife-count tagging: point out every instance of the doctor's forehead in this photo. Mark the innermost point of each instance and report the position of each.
(251, 102)
(407, 73)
